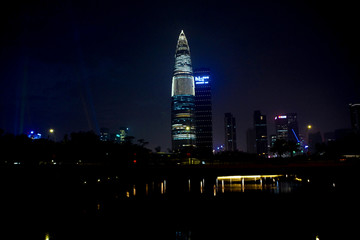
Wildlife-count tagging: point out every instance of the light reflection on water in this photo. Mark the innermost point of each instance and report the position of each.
(109, 189)
(210, 186)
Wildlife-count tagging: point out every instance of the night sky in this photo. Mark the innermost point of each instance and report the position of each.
(83, 65)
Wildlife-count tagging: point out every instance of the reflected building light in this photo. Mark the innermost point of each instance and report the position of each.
(243, 185)
(215, 190)
(162, 187)
(277, 189)
(189, 185)
(47, 236)
(147, 189)
(134, 190)
(202, 185)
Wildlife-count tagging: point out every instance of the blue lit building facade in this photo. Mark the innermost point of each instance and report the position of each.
(183, 129)
(203, 110)
(34, 136)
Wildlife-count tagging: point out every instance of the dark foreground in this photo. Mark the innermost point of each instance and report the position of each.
(179, 203)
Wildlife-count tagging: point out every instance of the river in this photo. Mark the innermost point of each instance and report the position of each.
(176, 204)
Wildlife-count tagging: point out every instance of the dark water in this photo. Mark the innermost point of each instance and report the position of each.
(111, 204)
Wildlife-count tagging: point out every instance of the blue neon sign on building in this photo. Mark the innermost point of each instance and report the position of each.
(202, 79)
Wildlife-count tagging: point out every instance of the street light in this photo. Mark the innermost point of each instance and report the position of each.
(52, 133)
(309, 126)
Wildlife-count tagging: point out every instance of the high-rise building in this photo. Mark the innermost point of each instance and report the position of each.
(183, 130)
(314, 139)
(121, 134)
(105, 134)
(260, 127)
(203, 109)
(293, 127)
(230, 132)
(282, 130)
(118, 136)
(287, 127)
(329, 137)
(250, 140)
(355, 117)
(272, 140)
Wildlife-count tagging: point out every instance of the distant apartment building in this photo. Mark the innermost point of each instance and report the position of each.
(261, 139)
(230, 132)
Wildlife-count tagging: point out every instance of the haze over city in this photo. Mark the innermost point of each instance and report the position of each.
(79, 66)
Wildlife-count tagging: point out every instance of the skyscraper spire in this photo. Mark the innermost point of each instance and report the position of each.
(182, 46)
(183, 80)
(182, 97)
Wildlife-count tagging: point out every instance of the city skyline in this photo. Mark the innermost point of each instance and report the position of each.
(87, 65)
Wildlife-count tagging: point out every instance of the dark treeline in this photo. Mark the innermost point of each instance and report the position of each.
(80, 148)
(85, 148)
(347, 145)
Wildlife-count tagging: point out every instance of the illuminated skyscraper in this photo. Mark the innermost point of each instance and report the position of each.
(287, 127)
(183, 131)
(203, 110)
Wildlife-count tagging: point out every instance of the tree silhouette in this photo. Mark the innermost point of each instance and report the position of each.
(282, 146)
(142, 142)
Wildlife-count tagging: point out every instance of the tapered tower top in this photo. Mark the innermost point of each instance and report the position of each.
(182, 46)
(183, 80)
